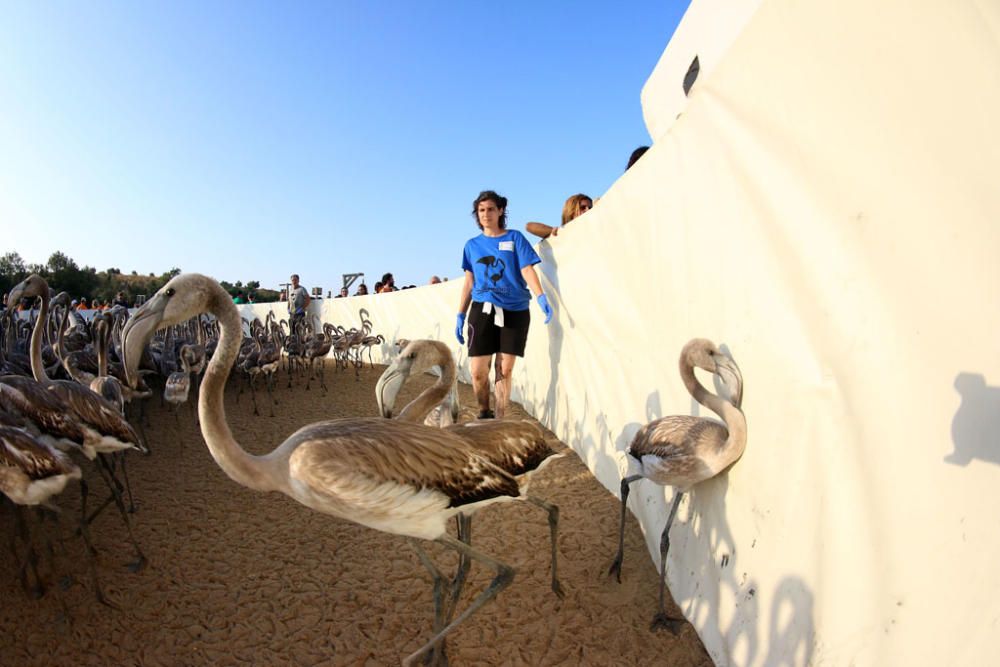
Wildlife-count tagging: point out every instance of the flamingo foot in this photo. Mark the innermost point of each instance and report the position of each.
(137, 565)
(663, 622)
(616, 569)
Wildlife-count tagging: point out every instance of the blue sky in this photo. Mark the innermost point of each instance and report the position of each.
(250, 140)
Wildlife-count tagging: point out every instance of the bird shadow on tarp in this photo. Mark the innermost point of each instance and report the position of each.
(713, 575)
(975, 428)
(702, 533)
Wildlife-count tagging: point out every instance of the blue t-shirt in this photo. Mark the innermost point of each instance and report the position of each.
(496, 263)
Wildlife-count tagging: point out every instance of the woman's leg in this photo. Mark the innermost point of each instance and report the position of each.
(502, 380)
(480, 369)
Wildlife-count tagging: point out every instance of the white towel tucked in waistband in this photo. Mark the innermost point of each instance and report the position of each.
(488, 307)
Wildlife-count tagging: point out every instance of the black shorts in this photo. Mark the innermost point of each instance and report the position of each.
(485, 338)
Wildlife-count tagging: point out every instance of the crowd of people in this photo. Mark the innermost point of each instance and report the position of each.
(76, 304)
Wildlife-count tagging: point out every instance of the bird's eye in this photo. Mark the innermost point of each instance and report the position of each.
(170, 291)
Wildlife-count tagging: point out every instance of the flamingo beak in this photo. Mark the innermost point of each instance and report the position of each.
(139, 329)
(388, 387)
(731, 377)
(15, 295)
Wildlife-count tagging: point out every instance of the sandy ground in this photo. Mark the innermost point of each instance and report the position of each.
(240, 577)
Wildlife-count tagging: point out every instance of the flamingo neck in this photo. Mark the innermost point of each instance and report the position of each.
(102, 348)
(35, 352)
(731, 415)
(243, 468)
(418, 409)
(61, 335)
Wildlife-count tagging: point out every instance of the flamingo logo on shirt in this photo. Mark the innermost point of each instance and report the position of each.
(494, 267)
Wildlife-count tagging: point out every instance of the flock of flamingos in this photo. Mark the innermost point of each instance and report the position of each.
(408, 472)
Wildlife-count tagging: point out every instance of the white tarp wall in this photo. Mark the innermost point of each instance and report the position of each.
(707, 30)
(827, 209)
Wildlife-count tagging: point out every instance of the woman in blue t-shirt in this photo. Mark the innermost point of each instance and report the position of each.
(499, 269)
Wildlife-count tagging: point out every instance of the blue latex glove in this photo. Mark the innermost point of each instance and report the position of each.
(300, 311)
(459, 325)
(543, 303)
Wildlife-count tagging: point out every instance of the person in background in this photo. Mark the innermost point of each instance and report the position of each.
(574, 207)
(636, 154)
(362, 290)
(298, 301)
(499, 267)
(343, 293)
(434, 280)
(120, 300)
(83, 304)
(388, 284)
(239, 298)
(378, 287)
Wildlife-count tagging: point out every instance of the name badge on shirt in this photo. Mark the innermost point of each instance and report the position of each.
(507, 245)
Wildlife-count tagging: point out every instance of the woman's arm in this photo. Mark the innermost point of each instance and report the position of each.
(466, 298)
(541, 229)
(531, 278)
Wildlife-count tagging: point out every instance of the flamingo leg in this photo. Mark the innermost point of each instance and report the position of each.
(253, 395)
(463, 525)
(438, 655)
(120, 457)
(661, 620)
(197, 394)
(503, 579)
(30, 560)
(553, 537)
(91, 551)
(270, 392)
(616, 564)
(116, 490)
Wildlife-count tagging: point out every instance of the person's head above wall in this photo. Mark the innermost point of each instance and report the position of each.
(576, 206)
(636, 154)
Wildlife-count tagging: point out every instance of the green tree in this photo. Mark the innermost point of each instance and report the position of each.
(66, 275)
(12, 271)
(60, 262)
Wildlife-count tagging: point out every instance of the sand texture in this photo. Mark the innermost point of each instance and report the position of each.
(241, 577)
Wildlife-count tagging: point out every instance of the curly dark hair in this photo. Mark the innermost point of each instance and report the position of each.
(501, 203)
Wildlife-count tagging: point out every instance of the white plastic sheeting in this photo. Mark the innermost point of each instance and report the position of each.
(707, 30)
(827, 210)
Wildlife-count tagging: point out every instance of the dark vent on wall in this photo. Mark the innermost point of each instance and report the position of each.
(691, 75)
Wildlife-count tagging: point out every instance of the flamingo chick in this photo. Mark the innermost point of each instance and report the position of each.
(400, 478)
(682, 450)
(518, 447)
